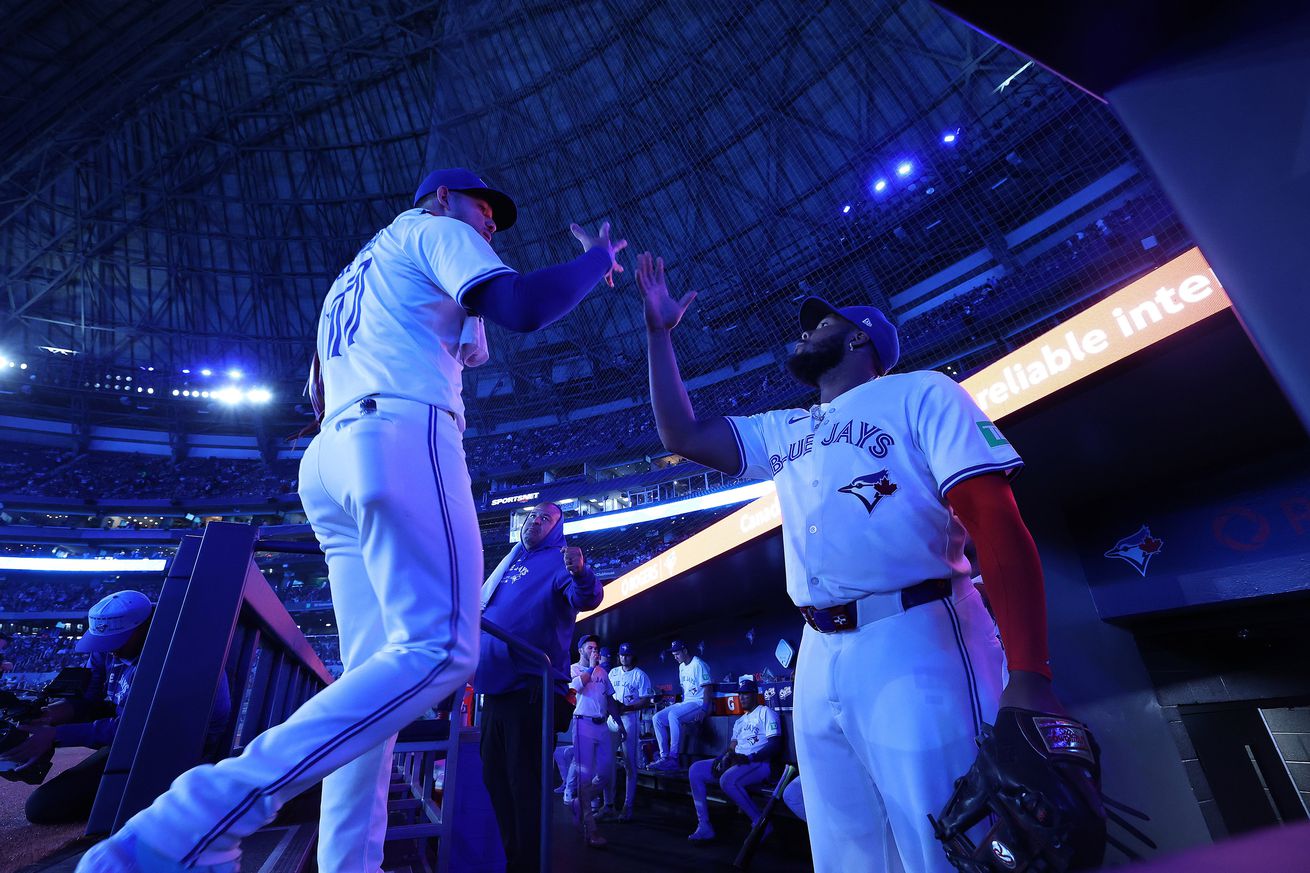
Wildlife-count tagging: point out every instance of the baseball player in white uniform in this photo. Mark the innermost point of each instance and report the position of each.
(593, 749)
(387, 491)
(634, 692)
(670, 722)
(878, 484)
(756, 740)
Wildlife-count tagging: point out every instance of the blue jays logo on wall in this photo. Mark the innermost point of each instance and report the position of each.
(1137, 549)
(871, 489)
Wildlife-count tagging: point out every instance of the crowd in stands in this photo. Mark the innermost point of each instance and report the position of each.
(39, 592)
(99, 475)
(43, 652)
(974, 315)
(328, 649)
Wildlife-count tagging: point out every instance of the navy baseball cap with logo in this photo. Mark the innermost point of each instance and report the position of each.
(626, 649)
(503, 210)
(747, 685)
(869, 319)
(587, 638)
(113, 620)
(678, 646)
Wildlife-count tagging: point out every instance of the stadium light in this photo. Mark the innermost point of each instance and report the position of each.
(186, 371)
(845, 209)
(206, 372)
(259, 395)
(880, 185)
(234, 374)
(904, 168)
(950, 136)
(176, 392)
(228, 394)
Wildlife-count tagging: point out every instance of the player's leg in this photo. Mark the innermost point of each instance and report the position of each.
(701, 774)
(930, 680)
(847, 822)
(631, 750)
(661, 724)
(607, 768)
(353, 811)
(495, 748)
(399, 474)
(737, 781)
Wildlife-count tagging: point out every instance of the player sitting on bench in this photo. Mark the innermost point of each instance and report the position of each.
(756, 740)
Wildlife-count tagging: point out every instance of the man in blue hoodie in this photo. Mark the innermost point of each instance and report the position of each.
(535, 594)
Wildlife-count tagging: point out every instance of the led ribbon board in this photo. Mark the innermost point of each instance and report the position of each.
(1156, 306)
(85, 565)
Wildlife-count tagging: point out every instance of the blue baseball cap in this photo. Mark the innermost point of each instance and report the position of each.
(113, 620)
(503, 210)
(626, 649)
(678, 646)
(746, 685)
(587, 638)
(605, 651)
(882, 332)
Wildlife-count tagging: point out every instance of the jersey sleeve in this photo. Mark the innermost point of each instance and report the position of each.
(959, 441)
(772, 726)
(644, 686)
(752, 447)
(452, 254)
(703, 674)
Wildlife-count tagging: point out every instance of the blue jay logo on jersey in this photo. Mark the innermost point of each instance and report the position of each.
(871, 489)
(514, 574)
(1137, 549)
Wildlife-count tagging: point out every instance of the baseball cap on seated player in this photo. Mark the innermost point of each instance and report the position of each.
(881, 332)
(111, 621)
(626, 649)
(503, 210)
(747, 685)
(678, 646)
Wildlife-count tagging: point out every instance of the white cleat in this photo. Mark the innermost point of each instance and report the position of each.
(703, 834)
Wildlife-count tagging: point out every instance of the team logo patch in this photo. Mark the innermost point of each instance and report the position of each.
(1002, 853)
(514, 574)
(871, 489)
(1137, 549)
(992, 435)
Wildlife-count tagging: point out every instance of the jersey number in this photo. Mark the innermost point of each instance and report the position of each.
(344, 312)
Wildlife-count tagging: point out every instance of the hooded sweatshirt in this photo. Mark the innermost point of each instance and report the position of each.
(537, 601)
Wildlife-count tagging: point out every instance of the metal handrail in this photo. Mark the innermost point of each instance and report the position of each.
(547, 728)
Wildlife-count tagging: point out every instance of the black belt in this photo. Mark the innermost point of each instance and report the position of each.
(845, 616)
(595, 719)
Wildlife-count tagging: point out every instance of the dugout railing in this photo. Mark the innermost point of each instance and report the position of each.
(217, 620)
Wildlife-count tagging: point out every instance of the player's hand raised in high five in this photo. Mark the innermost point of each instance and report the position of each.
(602, 240)
(662, 311)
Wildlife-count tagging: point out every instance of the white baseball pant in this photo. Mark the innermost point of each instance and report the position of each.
(631, 749)
(736, 783)
(670, 722)
(885, 720)
(390, 500)
(594, 755)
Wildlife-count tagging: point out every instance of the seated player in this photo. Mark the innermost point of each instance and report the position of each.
(694, 676)
(756, 740)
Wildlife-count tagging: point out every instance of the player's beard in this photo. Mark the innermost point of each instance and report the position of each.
(808, 366)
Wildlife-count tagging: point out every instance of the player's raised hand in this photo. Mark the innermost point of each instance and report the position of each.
(662, 311)
(574, 561)
(602, 240)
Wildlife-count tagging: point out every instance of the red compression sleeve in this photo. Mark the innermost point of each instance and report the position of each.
(1011, 569)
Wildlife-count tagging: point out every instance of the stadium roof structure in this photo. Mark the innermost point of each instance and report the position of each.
(182, 179)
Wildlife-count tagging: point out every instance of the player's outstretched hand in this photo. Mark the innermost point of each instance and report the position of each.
(662, 311)
(602, 240)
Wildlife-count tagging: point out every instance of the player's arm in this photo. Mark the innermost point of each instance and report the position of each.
(1013, 573)
(709, 441)
(526, 302)
(581, 589)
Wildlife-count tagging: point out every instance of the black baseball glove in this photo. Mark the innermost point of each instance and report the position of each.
(1039, 776)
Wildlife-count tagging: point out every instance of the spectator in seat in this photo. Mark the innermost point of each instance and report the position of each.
(756, 740)
(670, 722)
(118, 625)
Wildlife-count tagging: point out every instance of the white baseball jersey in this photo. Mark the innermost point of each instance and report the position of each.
(754, 728)
(591, 695)
(392, 319)
(631, 685)
(862, 482)
(692, 675)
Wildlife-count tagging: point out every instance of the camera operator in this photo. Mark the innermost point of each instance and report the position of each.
(118, 625)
